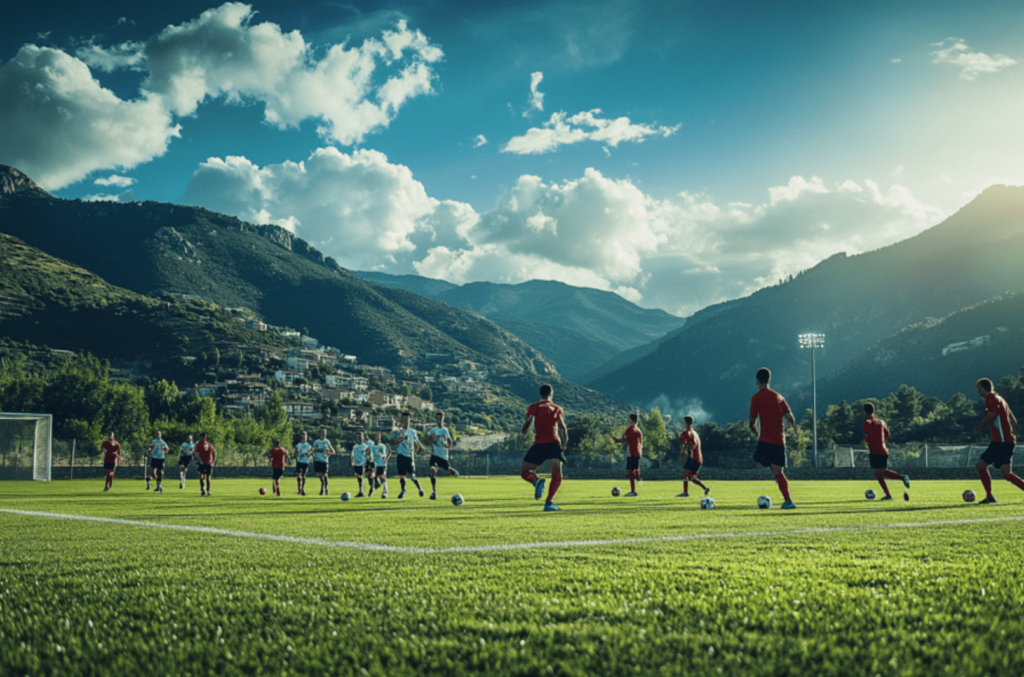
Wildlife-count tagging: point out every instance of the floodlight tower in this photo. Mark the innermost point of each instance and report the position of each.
(813, 341)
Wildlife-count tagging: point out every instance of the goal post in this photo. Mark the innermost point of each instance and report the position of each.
(28, 436)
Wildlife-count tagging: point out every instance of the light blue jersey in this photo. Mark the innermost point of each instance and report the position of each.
(159, 449)
(187, 448)
(442, 441)
(360, 453)
(320, 449)
(302, 452)
(380, 454)
(407, 443)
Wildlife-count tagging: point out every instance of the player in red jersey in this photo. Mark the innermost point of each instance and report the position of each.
(111, 455)
(635, 437)
(278, 456)
(207, 457)
(549, 422)
(875, 435)
(692, 458)
(773, 411)
(1003, 425)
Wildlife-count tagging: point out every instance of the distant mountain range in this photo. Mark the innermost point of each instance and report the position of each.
(576, 328)
(857, 301)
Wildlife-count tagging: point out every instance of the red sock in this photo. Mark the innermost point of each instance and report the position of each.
(892, 475)
(1015, 480)
(698, 482)
(783, 485)
(986, 481)
(637, 474)
(632, 481)
(556, 479)
(885, 487)
(529, 476)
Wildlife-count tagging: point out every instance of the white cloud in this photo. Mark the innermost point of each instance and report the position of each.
(971, 64)
(536, 96)
(480, 140)
(560, 130)
(115, 180)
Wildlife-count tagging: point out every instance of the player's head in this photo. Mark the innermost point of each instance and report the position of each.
(304, 435)
(359, 436)
(111, 434)
(202, 435)
(632, 418)
(376, 438)
(406, 415)
(984, 386)
(158, 434)
(277, 443)
(688, 420)
(869, 408)
(440, 417)
(546, 391)
(323, 433)
(764, 376)
(190, 439)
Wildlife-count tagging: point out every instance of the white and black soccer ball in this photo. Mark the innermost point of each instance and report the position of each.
(969, 496)
(869, 494)
(346, 496)
(764, 502)
(707, 503)
(457, 500)
(616, 491)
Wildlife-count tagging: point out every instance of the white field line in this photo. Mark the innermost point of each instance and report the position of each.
(503, 546)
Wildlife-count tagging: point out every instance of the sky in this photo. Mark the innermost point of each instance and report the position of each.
(677, 153)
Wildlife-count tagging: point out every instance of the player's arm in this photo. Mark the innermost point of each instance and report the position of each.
(563, 433)
(989, 417)
(526, 426)
(753, 425)
(1013, 419)
(791, 419)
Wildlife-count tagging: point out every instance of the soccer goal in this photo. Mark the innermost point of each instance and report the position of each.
(25, 437)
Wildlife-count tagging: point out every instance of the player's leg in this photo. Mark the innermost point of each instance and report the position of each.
(383, 477)
(150, 471)
(632, 482)
(209, 476)
(779, 471)
(686, 484)
(527, 472)
(433, 481)
(986, 481)
(359, 479)
(880, 476)
(556, 481)
(401, 486)
(694, 477)
(181, 475)
(372, 482)
(1007, 470)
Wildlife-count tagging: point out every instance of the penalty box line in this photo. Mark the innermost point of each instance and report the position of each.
(504, 546)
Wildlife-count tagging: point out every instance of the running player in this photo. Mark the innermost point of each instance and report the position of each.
(548, 420)
(408, 442)
(774, 412)
(207, 457)
(278, 457)
(157, 457)
(441, 441)
(692, 458)
(635, 437)
(321, 450)
(302, 452)
(1003, 425)
(185, 460)
(362, 462)
(875, 435)
(381, 454)
(111, 455)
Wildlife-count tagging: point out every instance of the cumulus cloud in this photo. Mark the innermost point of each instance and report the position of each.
(971, 64)
(536, 96)
(480, 140)
(115, 180)
(561, 130)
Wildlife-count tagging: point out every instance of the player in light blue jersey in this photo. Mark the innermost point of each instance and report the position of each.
(157, 456)
(303, 451)
(405, 443)
(362, 462)
(441, 441)
(185, 460)
(381, 453)
(321, 450)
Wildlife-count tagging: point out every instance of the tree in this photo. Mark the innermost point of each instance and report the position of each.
(906, 405)
(161, 398)
(655, 437)
(275, 419)
(124, 411)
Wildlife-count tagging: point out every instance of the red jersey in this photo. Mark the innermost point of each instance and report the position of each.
(635, 438)
(693, 438)
(111, 451)
(277, 457)
(1002, 431)
(546, 415)
(875, 434)
(771, 408)
(206, 452)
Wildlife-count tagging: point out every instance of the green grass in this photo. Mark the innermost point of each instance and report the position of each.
(101, 598)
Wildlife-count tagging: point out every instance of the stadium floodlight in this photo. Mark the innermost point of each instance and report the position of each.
(21, 434)
(813, 341)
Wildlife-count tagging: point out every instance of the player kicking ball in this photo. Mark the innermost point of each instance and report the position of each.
(548, 421)
(441, 441)
(157, 457)
(875, 436)
(773, 412)
(381, 453)
(185, 460)
(635, 438)
(692, 458)
(278, 457)
(361, 462)
(303, 450)
(111, 455)
(321, 450)
(1002, 423)
(407, 443)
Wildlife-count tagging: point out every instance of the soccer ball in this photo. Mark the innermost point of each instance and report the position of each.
(707, 503)
(616, 491)
(346, 496)
(764, 502)
(869, 494)
(458, 500)
(969, 496)
(263, 491)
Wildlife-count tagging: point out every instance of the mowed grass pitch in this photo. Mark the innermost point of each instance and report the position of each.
(739, 591)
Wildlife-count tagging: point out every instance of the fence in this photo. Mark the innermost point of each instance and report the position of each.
(912, 455)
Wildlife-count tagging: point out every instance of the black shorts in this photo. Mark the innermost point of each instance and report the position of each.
(156, 463)
(770, 454)
(998, 453)
(406, 466)
(205, 468)
(692, 465)
(878, 461)
(357, 470)
(185, 461)
(369, 468)
(438, 462)
(278, 473)
(549, 451)
(320, 467)
(301, 468)
(381, 469)
(109, 466)
(632, 463)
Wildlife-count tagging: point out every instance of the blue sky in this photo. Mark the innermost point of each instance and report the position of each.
(677, 153)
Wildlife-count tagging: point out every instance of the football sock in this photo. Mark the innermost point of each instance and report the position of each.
(433, 484)
(698, 482)
(360, 485)
(556, 479)
(885, 487)
(986, 481)
(632, 482)
(892, 475)
(530, 476)
(401, 482)
(327, 482)
(1015, 480)
(636, 473)
(783, 485)
(417, 483)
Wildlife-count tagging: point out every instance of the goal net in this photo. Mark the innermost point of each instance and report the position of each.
(26, 446)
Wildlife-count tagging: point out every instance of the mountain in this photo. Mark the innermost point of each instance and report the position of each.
(856, 301)
(576, 328)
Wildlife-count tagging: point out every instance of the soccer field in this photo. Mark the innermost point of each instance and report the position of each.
(238, 583)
